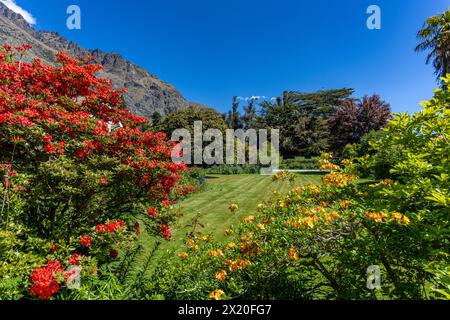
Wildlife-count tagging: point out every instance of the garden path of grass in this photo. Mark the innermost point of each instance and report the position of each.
(211, 206)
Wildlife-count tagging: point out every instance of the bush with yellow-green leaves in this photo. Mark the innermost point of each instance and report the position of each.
(317, 242)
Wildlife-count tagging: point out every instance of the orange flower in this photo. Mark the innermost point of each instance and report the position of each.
(216, 294)
(231, 246)
(215, 253)
(400, 218)
(376, 216)
(238, 264)
(221, 275)
(183, 255)
(249, 219)
(293, 254)
(308, 222)
(338, 179)
(331, 216)
(345, 204)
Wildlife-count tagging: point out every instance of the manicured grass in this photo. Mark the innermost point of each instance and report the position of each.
(210, 207)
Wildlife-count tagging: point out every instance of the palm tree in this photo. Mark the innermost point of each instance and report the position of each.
(435, 37)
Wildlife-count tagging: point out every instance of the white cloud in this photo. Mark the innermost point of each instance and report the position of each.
(11, 4)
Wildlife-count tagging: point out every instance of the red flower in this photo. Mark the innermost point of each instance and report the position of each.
(12, 173)
(81, 154)
(152, 211)
(111, 227)
(103, 181)
(75, 258)
(114, 254)
(100, 228)
(49, 148)
(165, 231)
(44, 280)
(86, 241)
(53, 248)
(166, 203)
(47, 138)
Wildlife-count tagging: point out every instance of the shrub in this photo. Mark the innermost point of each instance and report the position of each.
(73, 157)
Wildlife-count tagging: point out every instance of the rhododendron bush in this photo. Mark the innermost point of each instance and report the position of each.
(73, 158)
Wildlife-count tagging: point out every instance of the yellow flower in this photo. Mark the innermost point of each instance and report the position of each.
(247, 237)
(400, 218)
(183, 255)
(385, 182)
(249, 219)
(260, 226)
(233, 207)
(376, 216)
(221, 275)
(238, 264)
(345, 204)
(347, 162)
(190, 242)
(249, 248)
(261, 206)
(228, 232)
(215, 253)
(293, 254)
(308, 222)
(283, 204)
(216, 294)
(338, 179)
(326, 165)
(331, 216)
(231, 246)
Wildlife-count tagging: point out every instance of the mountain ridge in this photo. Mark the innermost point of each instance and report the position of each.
(146, 94)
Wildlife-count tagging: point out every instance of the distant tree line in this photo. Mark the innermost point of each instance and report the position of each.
(309, 123)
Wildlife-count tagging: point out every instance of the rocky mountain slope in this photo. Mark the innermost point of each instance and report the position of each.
(146, 93)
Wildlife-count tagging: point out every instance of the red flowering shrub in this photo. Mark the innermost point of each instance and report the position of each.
(76, 167)
(85, 157)
(45, 283)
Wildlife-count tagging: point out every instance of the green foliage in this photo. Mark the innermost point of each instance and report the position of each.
(302, 119)
(318, 242)
(435, 37)
(184, 119)
(300, 163)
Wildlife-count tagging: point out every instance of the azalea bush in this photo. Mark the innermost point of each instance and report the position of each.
(317, 242)
(73, 158)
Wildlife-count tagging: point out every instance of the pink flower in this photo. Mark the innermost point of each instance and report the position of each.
(12, 173)
(103, 181)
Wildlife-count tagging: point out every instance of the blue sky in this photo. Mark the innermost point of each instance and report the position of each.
(212, 50)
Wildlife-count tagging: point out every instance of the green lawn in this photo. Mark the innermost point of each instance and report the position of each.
(210, 206)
